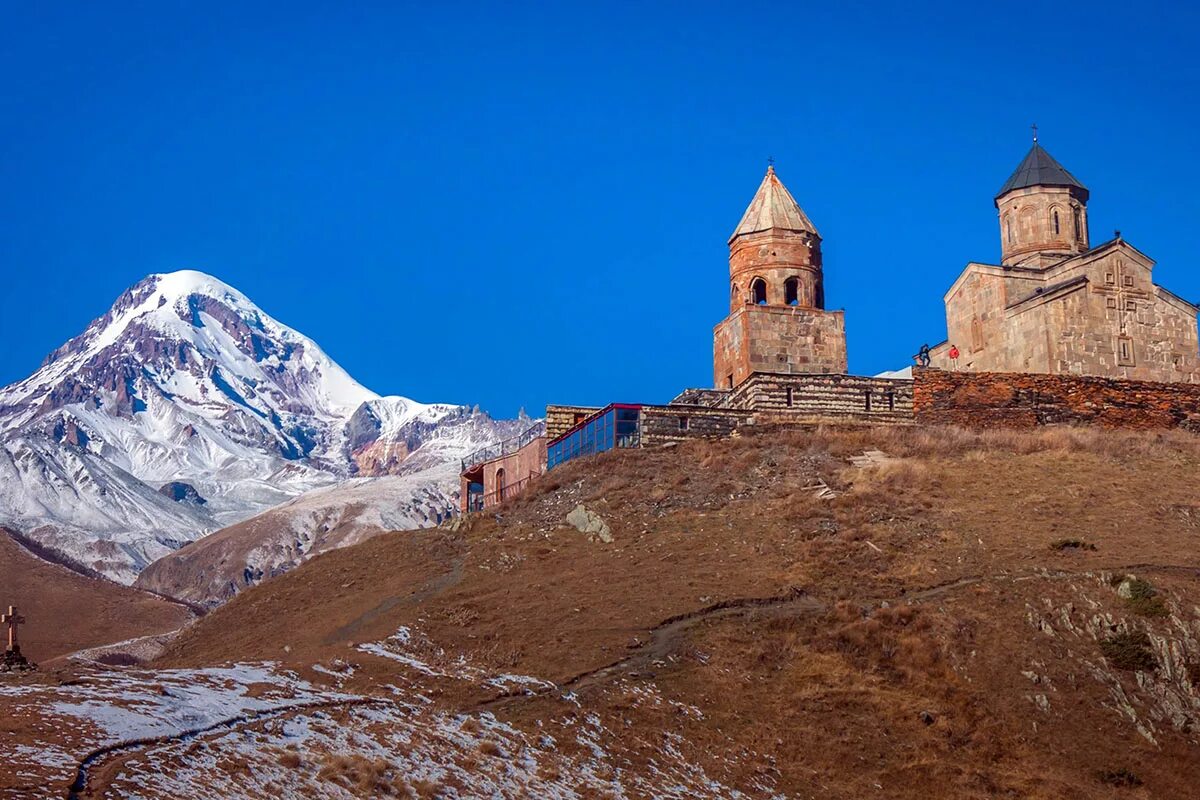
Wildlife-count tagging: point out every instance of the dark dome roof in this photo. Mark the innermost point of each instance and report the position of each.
(1040, 169)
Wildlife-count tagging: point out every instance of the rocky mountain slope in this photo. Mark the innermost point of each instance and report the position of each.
(213, 569)
(186, 408)
(977, 616)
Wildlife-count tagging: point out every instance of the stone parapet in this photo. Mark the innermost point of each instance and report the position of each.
(1025, 400)
(800, 398)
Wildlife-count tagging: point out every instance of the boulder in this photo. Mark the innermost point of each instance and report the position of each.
(587, 521)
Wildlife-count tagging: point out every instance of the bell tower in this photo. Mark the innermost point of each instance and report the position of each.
(777, 320)
(775, 252)
(1043, 212)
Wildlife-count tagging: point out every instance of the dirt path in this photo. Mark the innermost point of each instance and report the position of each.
(427, 590)
(102, 762)
(666, 636)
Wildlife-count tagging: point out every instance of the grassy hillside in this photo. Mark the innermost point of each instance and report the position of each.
(67, 611)
(950, 624)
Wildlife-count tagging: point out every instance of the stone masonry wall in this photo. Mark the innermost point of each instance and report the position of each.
(995, 399)
(803, 398)
(1097, 314)
(673, 423)
(560, 419)
(777, 339)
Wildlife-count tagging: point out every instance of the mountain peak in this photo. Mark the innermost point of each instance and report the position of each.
(186, 282)
(184, 380)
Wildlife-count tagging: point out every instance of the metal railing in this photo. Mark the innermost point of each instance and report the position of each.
(478, 501)
(504, 448)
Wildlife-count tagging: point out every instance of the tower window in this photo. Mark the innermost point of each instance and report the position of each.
(1008, 229)
(791, 291)
(1078, 223)
(788, 398)
(758, 291)
(1056, 228)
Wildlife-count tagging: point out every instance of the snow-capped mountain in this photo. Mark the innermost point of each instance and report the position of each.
(186, 408)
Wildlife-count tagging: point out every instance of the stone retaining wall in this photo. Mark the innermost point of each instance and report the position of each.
(675, 422)
(1025, 400)
(799, 398)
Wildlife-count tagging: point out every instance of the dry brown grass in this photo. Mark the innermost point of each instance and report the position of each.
(427, 789)
(361, 776)
(489, 748)
(838, 694)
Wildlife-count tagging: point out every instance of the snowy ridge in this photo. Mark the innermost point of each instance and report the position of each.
(185, 386)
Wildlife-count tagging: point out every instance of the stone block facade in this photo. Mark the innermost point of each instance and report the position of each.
(1095, 314)
(560, 418)
(824, 398)
(781, 339)
(1023, 400)
(674, 423)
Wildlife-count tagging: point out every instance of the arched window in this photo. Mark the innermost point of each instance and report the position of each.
(758, 292)
(791, 291)
(1008, 228)
(500, 483)
(1054, 213)
(1078, 223)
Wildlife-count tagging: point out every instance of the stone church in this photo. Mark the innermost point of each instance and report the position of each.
(1055, 304)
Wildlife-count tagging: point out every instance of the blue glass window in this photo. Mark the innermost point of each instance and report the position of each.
(612, 427)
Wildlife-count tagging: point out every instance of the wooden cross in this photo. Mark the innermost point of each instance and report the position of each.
(1034, 126)
(12, 619)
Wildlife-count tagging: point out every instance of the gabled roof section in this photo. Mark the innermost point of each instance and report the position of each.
(773, 207)
(1039, 168)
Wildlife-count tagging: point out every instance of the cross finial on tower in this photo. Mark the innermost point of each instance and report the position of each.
(1034, 127)
(770, 163)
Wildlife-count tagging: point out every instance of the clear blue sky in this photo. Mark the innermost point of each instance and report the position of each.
(509, 205)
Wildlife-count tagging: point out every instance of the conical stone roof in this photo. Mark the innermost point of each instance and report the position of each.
(773, 207)
(1039, 168)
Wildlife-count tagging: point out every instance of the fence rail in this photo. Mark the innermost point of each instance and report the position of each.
(504, 448)
(477, 501)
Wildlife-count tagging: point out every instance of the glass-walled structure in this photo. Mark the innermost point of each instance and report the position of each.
(617, 425)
